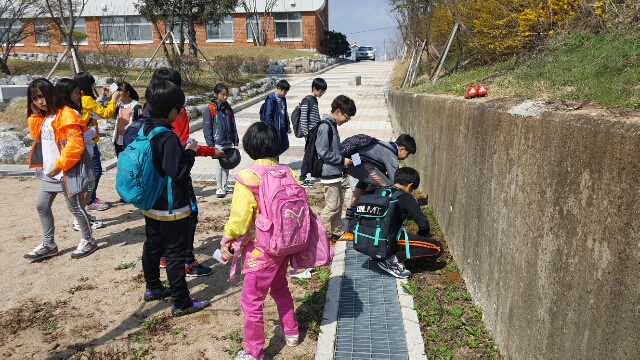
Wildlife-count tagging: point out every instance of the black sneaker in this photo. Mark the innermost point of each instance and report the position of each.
(307, 183)
(394, 268)
(197, 269)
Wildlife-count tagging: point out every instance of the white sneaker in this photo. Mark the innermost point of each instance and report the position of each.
(244, 356)
(97, 206)
(227, 189)
(290, 340)
(95, 224)
(221, 193)
(85, 248)
(42, 251)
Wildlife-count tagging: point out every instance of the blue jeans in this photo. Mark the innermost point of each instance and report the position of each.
(97, 168)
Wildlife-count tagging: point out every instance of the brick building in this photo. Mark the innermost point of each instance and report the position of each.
(297, 24)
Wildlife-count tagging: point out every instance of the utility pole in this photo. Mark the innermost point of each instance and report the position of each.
(384, 47)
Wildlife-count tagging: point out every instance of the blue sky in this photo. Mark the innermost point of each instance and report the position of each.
(355, 17)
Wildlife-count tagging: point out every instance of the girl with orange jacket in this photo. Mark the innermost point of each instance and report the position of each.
(57, 147)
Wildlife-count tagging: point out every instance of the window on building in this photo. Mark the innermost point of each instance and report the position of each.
(81, 28)
(132, 29)
(176, 30)
(288, 26)
(8, 30)
(222, 31)
(256, 24)
(42, 32)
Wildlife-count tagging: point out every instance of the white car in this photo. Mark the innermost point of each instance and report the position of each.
(365, 53)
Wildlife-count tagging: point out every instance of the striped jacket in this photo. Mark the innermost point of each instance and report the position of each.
(309, 113)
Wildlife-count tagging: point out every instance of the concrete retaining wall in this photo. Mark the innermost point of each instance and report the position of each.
(542, 214)
(8, 92)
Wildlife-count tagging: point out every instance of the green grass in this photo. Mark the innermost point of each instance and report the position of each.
(233, 349)
(137, 337)
(313, 301)
(142, 352)
(124, 266)
(176, 331)
(151, 322)
(602, 68)
(234, 335)
(49, 325)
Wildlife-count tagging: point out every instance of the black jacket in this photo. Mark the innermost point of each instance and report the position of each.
(409, 206)
(169, 158)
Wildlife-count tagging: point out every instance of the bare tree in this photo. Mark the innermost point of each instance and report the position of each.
(13, 28)
(65, 14)
(259, 25)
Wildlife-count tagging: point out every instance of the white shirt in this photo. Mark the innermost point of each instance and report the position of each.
(50, 151)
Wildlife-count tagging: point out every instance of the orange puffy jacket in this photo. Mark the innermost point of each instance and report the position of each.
(67, 132)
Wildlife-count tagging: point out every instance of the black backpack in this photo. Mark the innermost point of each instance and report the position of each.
(295, 119)
(138, 116)
(378, 224)
(352, 144)
(311, 154)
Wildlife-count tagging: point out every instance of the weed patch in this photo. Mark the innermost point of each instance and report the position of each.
(309, 314)
(124, 266)
(451, 324)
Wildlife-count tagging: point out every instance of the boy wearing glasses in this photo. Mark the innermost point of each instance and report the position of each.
(333, 163)
(309, 118)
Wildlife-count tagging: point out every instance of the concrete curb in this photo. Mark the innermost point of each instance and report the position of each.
(415, 344)
(325, 347)
(197, 124)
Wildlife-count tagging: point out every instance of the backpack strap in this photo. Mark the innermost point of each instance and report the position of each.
(214, 122)
(155, 131)
(406, 241)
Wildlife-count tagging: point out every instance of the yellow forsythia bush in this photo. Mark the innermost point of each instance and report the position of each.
(500, 27)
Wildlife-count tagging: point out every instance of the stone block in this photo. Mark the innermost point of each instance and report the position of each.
(355, 80)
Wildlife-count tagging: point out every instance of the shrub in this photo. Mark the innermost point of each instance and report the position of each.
(255, 65)
(227, 67)
(114, 59)
(189, 67)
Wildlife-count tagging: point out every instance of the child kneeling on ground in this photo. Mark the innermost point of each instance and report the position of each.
(167, 232)
(262, 271)
(421, 246)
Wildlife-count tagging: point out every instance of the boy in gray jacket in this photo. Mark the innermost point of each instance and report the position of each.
(378, 164)
(333, 163)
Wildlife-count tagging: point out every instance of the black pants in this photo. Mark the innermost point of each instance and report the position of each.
(419, 248)
(193, 223)
(170, 238)
(304, 167)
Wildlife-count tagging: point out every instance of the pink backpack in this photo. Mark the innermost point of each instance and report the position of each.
(283, 222)
(318, 252)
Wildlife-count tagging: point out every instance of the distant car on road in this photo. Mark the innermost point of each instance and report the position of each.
(365, 53)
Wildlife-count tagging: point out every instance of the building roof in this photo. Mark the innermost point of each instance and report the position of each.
(124, 8)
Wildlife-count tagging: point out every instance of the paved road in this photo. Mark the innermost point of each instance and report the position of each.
(371, 117)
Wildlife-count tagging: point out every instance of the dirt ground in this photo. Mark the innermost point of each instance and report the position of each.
(85, 308)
